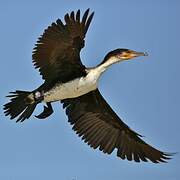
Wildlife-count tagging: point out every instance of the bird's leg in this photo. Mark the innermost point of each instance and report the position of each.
(48, 110)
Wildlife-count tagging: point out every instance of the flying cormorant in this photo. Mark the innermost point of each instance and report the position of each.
(66, 79)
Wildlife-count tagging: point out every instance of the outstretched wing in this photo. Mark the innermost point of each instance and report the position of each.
(99, 126)
(57, 52)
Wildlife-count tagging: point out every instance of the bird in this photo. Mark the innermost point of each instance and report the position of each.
(66, 79)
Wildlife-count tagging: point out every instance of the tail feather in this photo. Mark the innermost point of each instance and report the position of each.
(19, 104)
(26, 113)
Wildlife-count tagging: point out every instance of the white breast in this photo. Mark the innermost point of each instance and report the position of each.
(72, 89)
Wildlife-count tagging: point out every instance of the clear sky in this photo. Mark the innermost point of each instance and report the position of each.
(143, 92)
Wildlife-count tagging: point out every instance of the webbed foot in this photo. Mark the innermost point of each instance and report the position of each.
(48, 110)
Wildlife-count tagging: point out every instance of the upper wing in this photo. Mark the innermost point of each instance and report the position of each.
(99, 126)
(57, 52)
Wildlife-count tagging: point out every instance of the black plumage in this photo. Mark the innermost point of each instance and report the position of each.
(99, 126)
(57, 52)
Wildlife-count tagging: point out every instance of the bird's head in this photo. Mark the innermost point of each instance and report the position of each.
(118, 55)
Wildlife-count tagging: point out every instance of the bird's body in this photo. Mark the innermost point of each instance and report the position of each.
(57, 56)
(78, 86)
(74, 88)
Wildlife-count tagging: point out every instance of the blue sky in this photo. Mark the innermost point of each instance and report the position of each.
(143, 92)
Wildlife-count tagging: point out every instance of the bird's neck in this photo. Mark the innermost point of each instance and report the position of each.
(105, 65)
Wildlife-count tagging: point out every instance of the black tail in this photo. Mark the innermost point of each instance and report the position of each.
(20, 105)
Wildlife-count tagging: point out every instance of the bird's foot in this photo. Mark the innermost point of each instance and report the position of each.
(46, 112)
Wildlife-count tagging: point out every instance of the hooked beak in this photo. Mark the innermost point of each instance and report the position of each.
(131, 54)
(137, 54)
